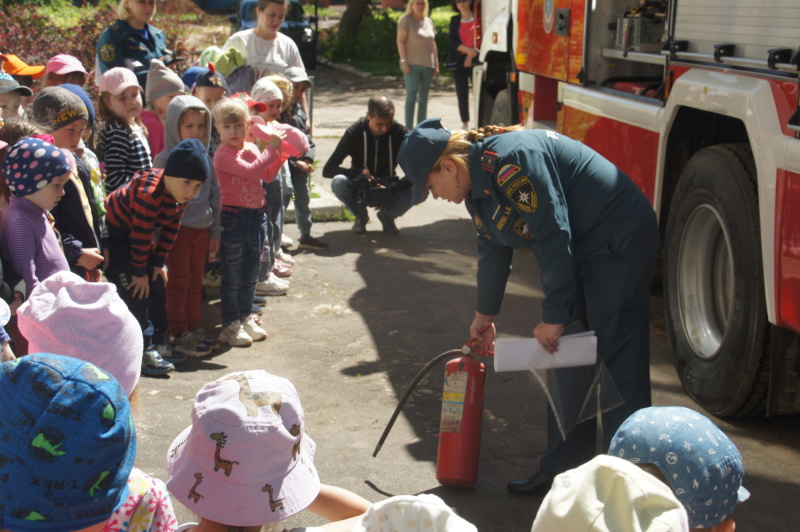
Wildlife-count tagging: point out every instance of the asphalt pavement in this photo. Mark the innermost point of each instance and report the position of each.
(364, 317)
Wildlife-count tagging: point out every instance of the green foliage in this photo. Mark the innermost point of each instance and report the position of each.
(374, 47)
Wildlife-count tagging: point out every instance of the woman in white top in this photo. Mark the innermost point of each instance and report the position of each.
(267, 49)
(419, 59)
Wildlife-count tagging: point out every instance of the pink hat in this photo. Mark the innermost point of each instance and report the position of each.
(67, 316)
(64, 64)
(245, 460)
(117, 79)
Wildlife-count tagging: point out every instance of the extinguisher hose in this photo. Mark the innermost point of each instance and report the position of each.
(410, 389)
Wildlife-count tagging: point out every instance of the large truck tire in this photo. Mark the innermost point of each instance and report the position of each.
(501, 109)
(714, 299)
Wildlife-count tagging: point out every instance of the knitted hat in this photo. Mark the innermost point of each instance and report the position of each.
(412, 513)
(116, 80)
(65, 314)
(211, 78)
(57, 107)
(265, 91)
(31, 164)
(703, 467)
(68, 444)
(161, 80)
(608, 494)
(245, 460)
(190, 75)
(188, 160)
(9, 84)
(17, 67)
(78, 91)
(64, 64)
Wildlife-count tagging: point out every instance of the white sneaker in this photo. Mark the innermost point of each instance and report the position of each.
(272, 286)
(254, 330)
(235, 335)
(286, 241)
(285, 257)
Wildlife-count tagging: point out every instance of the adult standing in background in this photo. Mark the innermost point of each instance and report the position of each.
(267, 49)
(462, 54)
(419, 59)
(131, 41)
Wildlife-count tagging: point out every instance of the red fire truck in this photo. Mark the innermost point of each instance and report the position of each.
(697, 101)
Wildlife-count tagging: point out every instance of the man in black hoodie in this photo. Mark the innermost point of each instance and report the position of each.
(372, 144)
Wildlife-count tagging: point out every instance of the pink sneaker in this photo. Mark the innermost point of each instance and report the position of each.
(282, 269)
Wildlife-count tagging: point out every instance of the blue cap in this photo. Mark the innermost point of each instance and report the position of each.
(87, 100)
(31, 164)
(190, 75)
(419, 152)
(703, 467)
(188, 160)
(68, 444)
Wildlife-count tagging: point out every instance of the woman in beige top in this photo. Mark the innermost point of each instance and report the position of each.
(419, 60)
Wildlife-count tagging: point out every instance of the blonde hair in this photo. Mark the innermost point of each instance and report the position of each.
(410, 7)
(283, 83)
(122, 9)
(231, 111)
(457, 149)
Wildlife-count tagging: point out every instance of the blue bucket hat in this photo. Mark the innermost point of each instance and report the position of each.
(419, 152)
(68, 444)
(701, 464)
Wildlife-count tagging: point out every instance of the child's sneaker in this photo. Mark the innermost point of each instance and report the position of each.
(153, 364)
(212, 278)
(286, 241)
(205, 338)
(282, 269)
(166, 352)
(189, 345)
(272, 286)
(256, 332)
(234, 335)
(285, 257)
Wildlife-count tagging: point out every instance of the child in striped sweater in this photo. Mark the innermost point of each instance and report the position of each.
(123, 136)
(152, 200)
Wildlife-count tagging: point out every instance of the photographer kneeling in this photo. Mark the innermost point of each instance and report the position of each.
(372, 143)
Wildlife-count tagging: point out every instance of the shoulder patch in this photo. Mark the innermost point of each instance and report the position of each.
(522, 193)
(489, 161)
(521, 228)
(506, 173)
(478, 222)
(107, 53)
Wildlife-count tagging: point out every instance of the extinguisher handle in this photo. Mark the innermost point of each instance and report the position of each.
(470, 348)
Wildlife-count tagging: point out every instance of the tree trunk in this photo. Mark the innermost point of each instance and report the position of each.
(351, 18)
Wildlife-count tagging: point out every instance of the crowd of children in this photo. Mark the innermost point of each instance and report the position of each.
(189, 177)
(121, 194)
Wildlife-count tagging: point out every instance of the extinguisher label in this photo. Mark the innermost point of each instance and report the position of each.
(455, 388)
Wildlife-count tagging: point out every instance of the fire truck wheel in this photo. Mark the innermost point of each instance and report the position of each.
(713, 282)
(501, 109)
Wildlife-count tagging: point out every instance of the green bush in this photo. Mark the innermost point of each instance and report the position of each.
(374, 48)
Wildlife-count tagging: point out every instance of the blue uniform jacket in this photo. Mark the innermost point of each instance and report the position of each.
(539, 189)
(120, 42)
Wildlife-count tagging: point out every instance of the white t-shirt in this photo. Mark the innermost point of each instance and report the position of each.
(273, 56)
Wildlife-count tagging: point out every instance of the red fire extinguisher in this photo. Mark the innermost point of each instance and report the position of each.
(462, 415)
(462, 419)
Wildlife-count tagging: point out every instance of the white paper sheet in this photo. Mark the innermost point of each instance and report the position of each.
(520, 354)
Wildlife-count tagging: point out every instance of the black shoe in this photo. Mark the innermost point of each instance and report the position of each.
(538, 485)
(389, 226)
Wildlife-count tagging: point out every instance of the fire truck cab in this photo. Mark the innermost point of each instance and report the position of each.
(697, 101)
